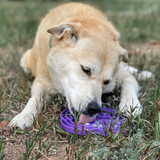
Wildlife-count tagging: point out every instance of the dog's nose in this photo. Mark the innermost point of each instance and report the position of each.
(93, 108)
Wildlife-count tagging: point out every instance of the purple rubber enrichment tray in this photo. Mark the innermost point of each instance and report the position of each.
(100, 125)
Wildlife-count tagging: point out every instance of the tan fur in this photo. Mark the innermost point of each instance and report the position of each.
(82, 37)
(78, 12)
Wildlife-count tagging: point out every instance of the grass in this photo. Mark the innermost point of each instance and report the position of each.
(138, 23)
(1, 150)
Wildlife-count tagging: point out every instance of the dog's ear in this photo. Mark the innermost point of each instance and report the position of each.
(124, 56)
(65, 31)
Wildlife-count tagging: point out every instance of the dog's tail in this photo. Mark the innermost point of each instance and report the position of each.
(23, 61)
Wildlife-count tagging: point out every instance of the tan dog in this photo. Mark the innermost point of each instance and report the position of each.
(79, 57)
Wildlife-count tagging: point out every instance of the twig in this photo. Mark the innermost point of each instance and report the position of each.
(43, 154)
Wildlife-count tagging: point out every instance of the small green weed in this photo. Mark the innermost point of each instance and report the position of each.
(30, 144)
(2, 156)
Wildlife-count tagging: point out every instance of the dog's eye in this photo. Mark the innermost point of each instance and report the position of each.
(86, 70)
(106, 82)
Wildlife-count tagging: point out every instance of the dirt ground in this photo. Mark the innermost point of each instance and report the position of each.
(14, 147)
(152, 47)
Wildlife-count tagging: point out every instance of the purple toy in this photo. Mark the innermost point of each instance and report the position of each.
(100, 125)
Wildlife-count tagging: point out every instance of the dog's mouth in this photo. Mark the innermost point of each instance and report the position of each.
(83, 118)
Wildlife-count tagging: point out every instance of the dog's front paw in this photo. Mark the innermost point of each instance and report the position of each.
(26, 117)
(22, 120)
(130, 105)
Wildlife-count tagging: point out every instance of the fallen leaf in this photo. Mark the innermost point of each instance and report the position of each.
(4, 123)
(6, 133)
(155, 42)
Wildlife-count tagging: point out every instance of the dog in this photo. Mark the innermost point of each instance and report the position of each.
(76, 53)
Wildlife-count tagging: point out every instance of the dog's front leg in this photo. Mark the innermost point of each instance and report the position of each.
(129, 92)
(35, 104)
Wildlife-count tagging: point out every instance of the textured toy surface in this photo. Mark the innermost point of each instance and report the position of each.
(100, 125)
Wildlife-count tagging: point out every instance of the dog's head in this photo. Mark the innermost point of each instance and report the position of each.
(83, 62)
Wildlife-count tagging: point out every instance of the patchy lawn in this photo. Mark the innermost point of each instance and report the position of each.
(138, 22)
